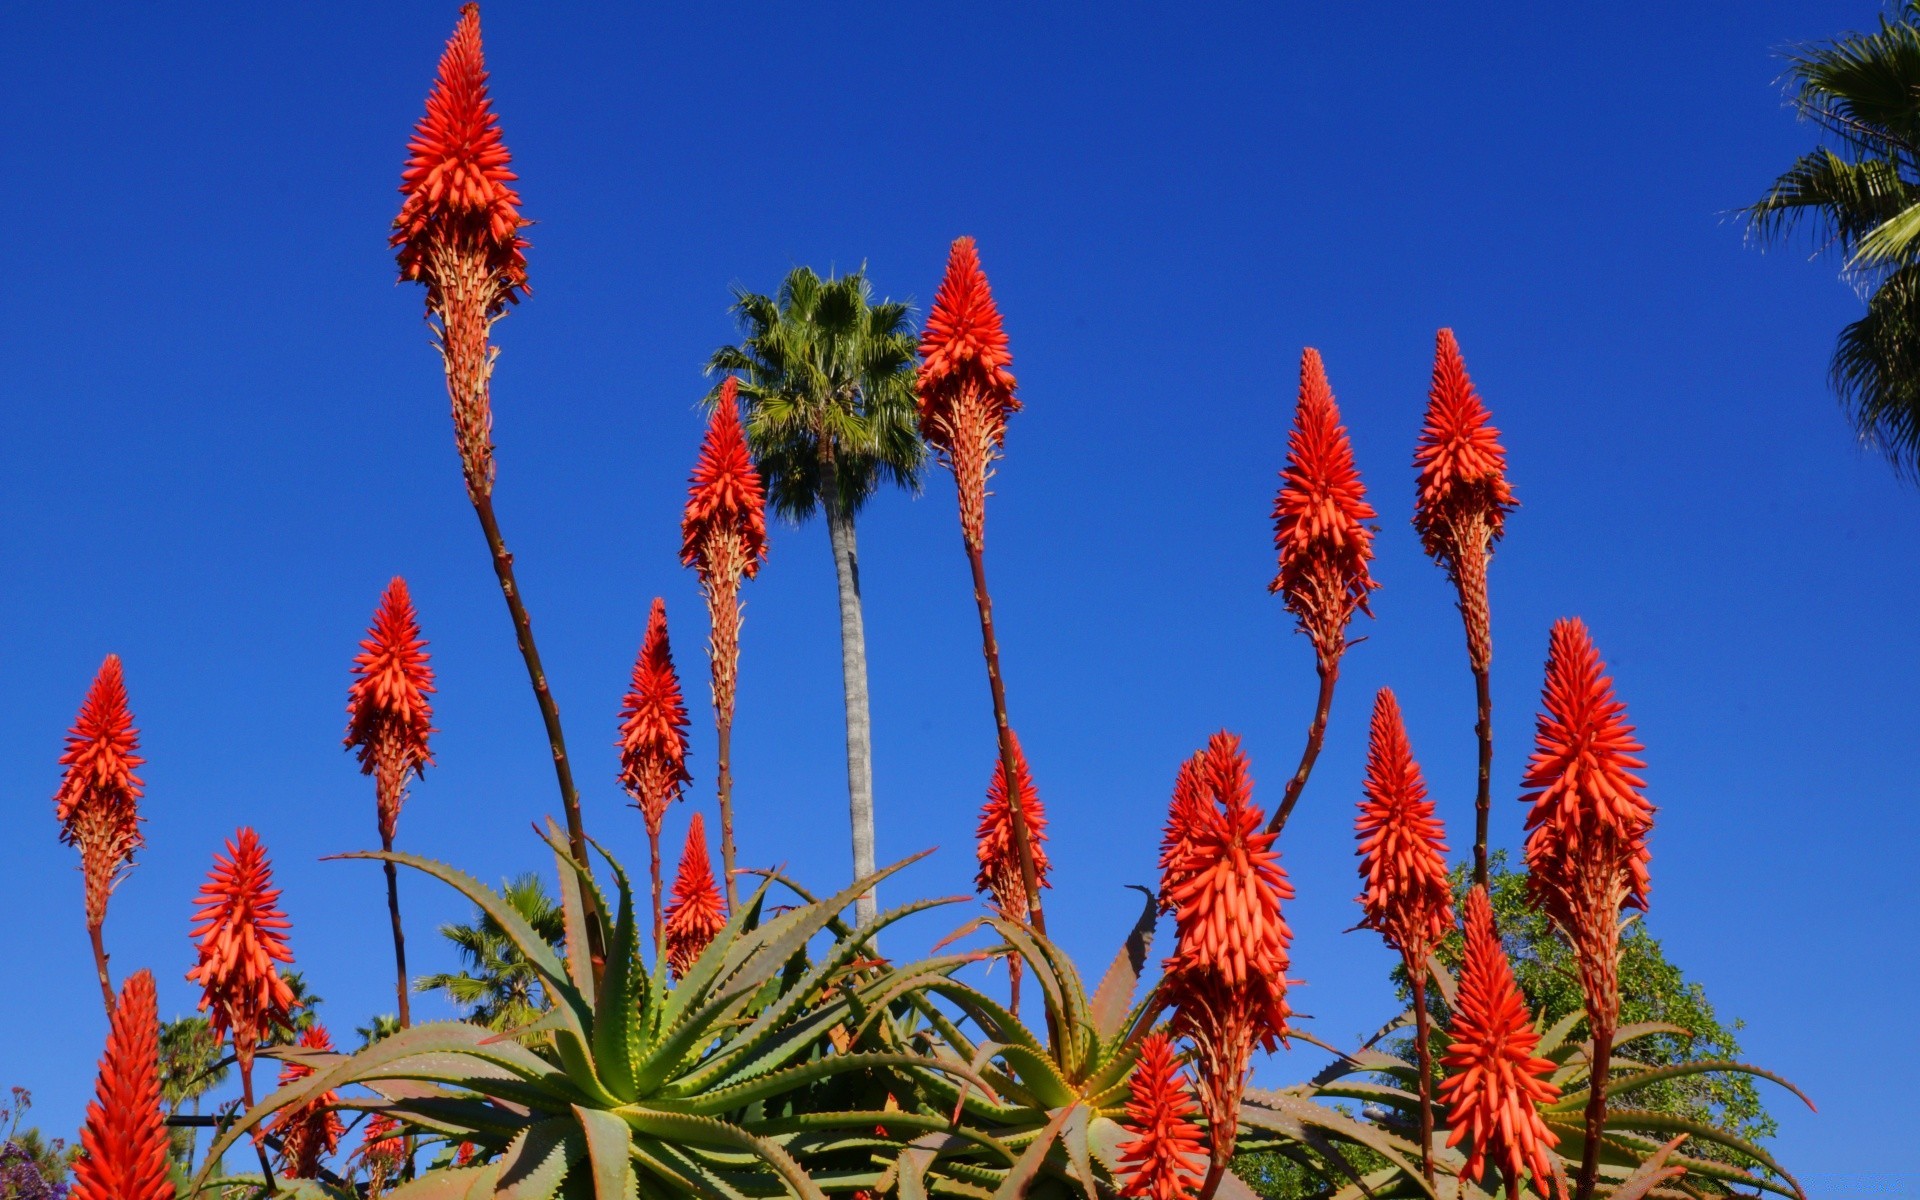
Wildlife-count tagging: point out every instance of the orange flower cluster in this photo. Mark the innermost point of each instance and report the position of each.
(1183, 815)
(1227, 979)
(999, 857)
(381, 1149)
(1494, 1084)
(697, 912)
(1320, 520)
(458, 232)
(125, 1135)
(653, 726)
(1166, 1155)
(388, 716)
(98, 804)
(966, 390)
(723, 534)
(311, 1131)
(1402, 859)
(1463, 496)
(242, 935)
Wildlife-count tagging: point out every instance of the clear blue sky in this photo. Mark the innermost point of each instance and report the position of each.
(224, 430)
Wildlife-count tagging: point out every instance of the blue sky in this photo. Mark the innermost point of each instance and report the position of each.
(224, 430)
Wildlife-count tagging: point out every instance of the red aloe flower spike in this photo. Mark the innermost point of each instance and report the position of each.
(697, 912)
(966, 391)
(999, 871)
(1166, 1156)
(1495, 1085)
(98, 804)
(653, 740)
(1183, 814)
(1587, 838)
(723, 537)
(1324, 544)
(1226, 980)
(1403, 863)
(458, 232)
(381, 1150)
(310, 1131)
(241, 935)
(125, 1135)
(388, 716)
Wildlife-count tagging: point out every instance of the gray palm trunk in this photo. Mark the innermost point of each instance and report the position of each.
(853, 669)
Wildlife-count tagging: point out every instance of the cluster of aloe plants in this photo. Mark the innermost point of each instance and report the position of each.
(758, 1044)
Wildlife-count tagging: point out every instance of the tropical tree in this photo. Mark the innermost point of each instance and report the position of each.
(499, 988)
(191, 1065)
(828, 381)
(1858, 194)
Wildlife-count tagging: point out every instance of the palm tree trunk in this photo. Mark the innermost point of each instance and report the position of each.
(853, 672)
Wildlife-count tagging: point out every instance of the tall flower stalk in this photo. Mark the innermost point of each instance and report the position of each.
(125, 1135)
(966, 397)
(98, 804)
(723, 537)
(1587, 842)
(998, 875)
(1323, 541)
(653, 743)
(458, 233)
(1227, 977)
(1460, 511)
(1403, 864)
(388, 722)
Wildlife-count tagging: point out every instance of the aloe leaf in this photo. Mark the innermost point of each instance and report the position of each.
(1628, 1150)
(450, 1115)
(738, 1096)
(536, 1160)
(1443, 980)
(1021, 1177)
(686, 1128)
(692, 988)
(1553, 1038)
(1056, 989)
(926, 1123)
(1372, 1092)
(573, 911)
(1347, 1062)
(1040, 1074)
(608, 1142)
(451, 1183)
(1309, 1116)
(1391, 1027)
(682, 1171)
(678, 1047)
(1073, 1135)
(1649, 1121)
(1651, 1174)
(1623, 1084)
(995, 1021)
(617, 1012)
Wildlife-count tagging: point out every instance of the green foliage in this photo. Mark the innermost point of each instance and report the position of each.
(378, 1026)
(500, 988)
(828, 383)
(1859, 194)
(191, 1063)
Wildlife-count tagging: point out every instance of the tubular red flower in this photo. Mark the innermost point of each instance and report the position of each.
(1463, 496)
(998, 855)
(457, 181)
(241, 935)
(98, 804)
(653, 726)
(125, 1135)
(1494, 1084)
(381, 1150)
(966, 390)
(388, 716)
(1403, 862)
(308, 1132)
(1320, 520)
(1166, 1155)
(697, 912)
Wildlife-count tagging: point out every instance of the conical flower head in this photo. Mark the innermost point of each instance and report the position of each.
(1183, 817)
(125, 1135)
(1227, 883)
(696, 912)
(241, 937)
(388, 717)
(1494, 1083)
(308, 1132)
(995, 848)
(382, 1149)
(966, 390)
(653, 725)
(1462, 487)
(1403, 862)
(1589, 818)
(1165, 1156)
(99, 797)
(724, 529)
(1320, 520)
(460, 208)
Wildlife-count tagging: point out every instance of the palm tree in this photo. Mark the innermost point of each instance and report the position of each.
(499, 987)
(1859, 193)
(828, 383)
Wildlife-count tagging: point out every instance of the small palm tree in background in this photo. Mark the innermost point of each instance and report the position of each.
(191, 1065)
(1859, 195)
(827, 376)
(499, 988)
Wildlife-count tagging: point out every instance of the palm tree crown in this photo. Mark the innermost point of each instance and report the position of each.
(1859, 195)
(499, 988)
(827, 376)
